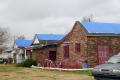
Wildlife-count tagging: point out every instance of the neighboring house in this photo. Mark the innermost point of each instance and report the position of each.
(40, 42)
(91, 41)
(19, 51)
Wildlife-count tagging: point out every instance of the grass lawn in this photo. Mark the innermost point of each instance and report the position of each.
(11, 72)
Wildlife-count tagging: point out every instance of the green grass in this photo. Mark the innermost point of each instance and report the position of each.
(8, 68)
(86, 72)
(11, 72)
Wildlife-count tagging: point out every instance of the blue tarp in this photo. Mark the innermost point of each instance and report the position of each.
(97, 27)
(49, 36)
(23, 43)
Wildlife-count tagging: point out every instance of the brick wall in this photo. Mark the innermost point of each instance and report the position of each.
(40, 54)
(77, 35)
(93, 41)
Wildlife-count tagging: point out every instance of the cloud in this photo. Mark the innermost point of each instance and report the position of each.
(54, 16)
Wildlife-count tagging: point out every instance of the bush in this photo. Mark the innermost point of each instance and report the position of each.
(27, 63)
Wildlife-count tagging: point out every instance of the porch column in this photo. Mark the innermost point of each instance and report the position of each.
(25, 54)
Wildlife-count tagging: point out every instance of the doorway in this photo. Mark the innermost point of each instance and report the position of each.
(103, 54)
(52, 55)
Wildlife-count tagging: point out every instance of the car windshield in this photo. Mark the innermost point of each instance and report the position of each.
(114, 60)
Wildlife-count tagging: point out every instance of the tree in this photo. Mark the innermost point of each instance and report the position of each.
(87, 18)
(22, 37)
(4, 36)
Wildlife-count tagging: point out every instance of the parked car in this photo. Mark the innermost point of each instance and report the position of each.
(108, 71)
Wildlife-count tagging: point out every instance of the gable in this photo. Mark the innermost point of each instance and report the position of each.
(97, 27)
(36, 41)
(77, 34)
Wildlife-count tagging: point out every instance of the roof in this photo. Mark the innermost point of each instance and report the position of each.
(23, 43)
(49, 42)
(98, 27)
(49, 36)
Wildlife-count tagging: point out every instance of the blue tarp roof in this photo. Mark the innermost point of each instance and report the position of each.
(97, 27)
(23, 43)
(49, 36)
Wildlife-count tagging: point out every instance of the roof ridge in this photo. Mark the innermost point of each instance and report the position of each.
(101, 22)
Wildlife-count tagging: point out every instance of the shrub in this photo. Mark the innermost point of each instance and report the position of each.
(27, 63)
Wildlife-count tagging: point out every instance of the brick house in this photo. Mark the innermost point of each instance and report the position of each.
(91, 41)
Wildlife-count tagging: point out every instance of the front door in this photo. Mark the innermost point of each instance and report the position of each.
(29, 54)
(103, 53)
(52, 55)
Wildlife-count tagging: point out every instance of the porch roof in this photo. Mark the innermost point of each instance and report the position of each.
(23, 43)
(49, 36)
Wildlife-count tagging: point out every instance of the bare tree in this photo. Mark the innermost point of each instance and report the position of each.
(4, 37)
(22, 37)
(87, 18)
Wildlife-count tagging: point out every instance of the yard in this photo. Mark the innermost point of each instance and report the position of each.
(11, 72)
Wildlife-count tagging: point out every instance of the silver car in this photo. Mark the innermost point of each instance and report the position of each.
(108, 71)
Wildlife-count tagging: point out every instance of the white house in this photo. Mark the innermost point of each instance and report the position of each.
(19, 51)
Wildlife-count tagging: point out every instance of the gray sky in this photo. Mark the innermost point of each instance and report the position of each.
(28, 17)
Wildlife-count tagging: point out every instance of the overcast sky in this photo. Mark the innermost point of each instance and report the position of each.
(28, 17)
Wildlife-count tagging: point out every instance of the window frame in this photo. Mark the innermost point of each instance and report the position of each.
(66, 51)
(77, 47)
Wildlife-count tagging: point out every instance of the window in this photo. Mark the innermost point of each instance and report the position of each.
(77, 47)
(66, 51)
(29, 54)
